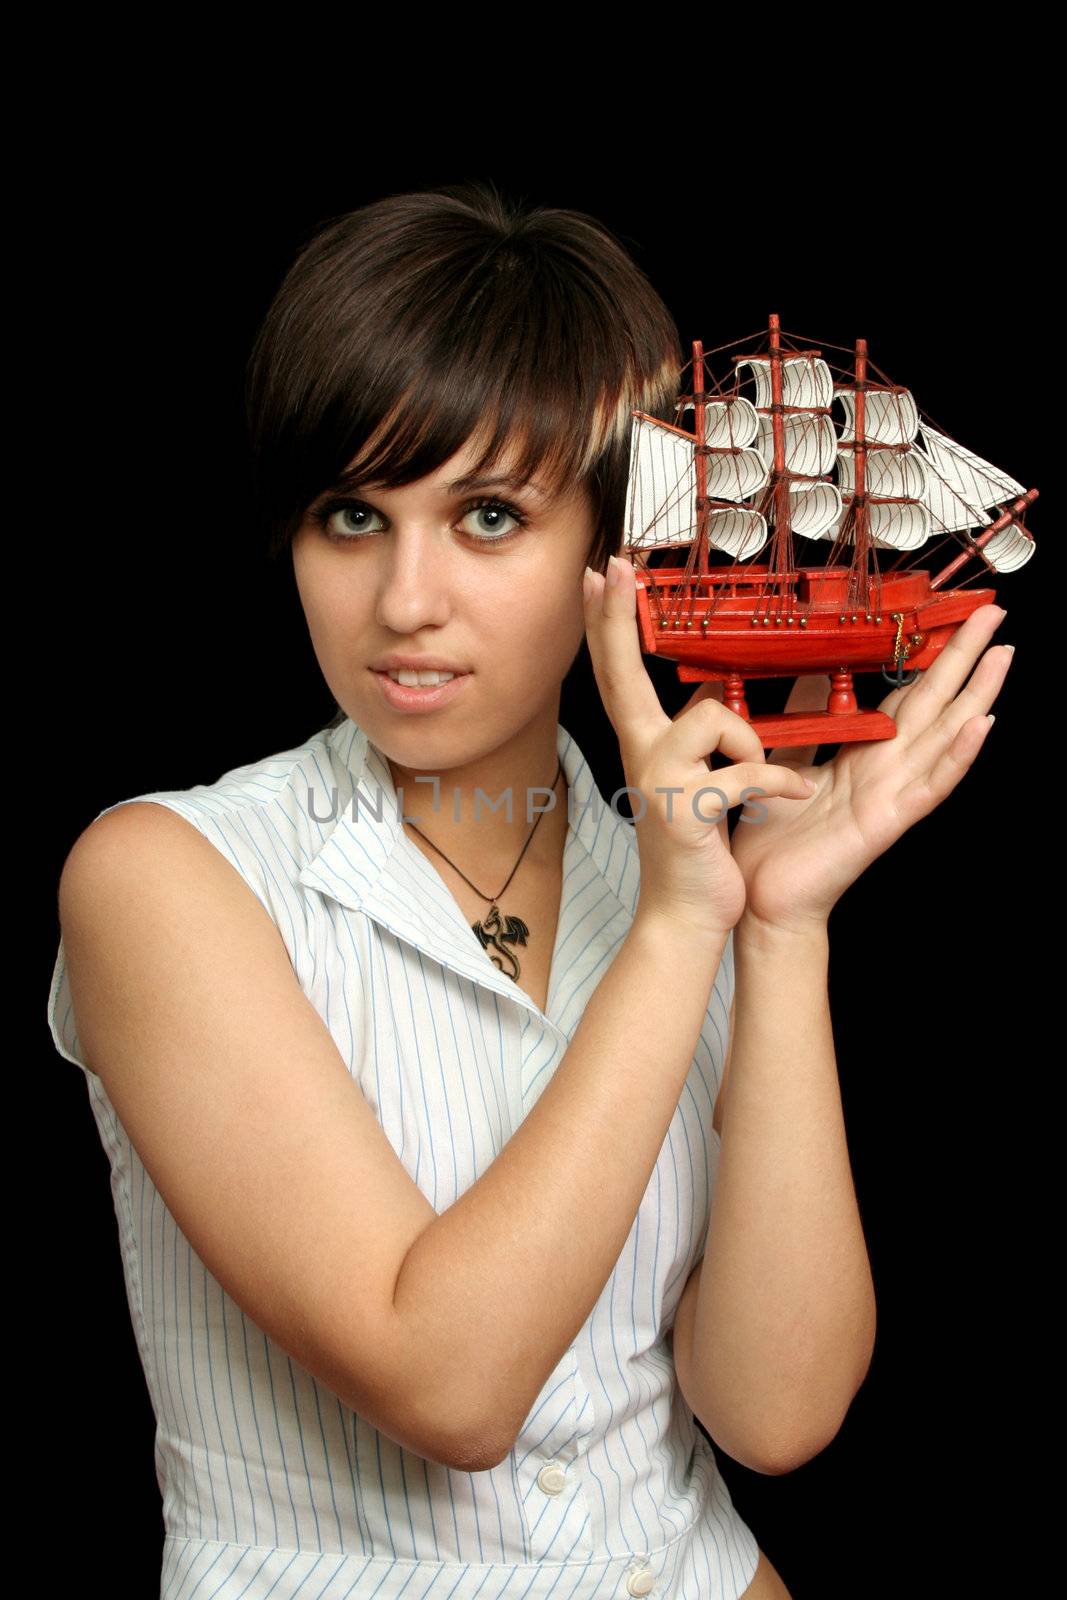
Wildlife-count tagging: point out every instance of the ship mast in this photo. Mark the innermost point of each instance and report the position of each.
(778, 565)
(859, 577)
(701, 452)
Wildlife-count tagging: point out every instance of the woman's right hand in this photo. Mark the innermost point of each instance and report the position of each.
(687, 871)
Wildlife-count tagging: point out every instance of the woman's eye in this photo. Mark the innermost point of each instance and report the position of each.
(348, 521)
(351, 519)
(491, 530)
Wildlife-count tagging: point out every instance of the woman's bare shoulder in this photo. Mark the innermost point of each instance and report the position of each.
(144, 834)
(142, 870)
(130, 820)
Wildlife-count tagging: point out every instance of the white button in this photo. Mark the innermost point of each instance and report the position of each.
(553, 1478)
(641, 1582)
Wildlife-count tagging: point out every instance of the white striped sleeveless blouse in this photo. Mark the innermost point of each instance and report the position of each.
(272, 1486)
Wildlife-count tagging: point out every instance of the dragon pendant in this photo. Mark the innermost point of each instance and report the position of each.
(495, 933)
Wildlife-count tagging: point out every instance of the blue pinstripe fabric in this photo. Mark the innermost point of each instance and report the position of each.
(270, 1485)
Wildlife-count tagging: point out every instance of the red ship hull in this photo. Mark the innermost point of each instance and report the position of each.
(733, 623)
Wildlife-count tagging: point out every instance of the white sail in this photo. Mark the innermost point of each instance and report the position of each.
(742, 533)
(734, 471)
(887, 474)
(814, 510)
(977, 483)
(898, 527)
(736, 475)
(661, 491)
(890, 416)
(948, 513)
(806, 380)
(896, 477)
(1009, 549)
(727, 423)
(810, 443)
(903, 526)
(739, 532)
(896, 483)
(914, 493)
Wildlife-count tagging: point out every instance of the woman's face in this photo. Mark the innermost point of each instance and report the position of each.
(486, 580)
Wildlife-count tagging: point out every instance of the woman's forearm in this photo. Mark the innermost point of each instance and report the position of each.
(784, 1321)
(495, 1290)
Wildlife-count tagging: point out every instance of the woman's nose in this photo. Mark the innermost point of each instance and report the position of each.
(411, 578)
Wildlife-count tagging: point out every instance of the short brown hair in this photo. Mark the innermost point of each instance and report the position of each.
(415, 323)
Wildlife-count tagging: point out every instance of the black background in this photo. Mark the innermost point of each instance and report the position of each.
(178, 654)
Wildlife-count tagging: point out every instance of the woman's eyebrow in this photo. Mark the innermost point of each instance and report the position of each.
(350, 482)
(465, 485)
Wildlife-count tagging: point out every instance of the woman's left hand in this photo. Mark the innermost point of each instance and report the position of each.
(802, 857)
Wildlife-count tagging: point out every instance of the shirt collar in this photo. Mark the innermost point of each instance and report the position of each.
(366, 861)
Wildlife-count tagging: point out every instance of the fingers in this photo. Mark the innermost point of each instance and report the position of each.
(934, 740)
(633, 706)
(710, 689)
(628, 693)
(708, 726)
(918, 798)
(744, 782)
(916, 706)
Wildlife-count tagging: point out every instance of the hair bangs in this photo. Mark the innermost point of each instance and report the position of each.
(427, 322)
(534, 426)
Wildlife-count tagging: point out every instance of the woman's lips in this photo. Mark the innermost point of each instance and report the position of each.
(420, 698)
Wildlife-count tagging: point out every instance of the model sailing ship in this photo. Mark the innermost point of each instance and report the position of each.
(778, 472)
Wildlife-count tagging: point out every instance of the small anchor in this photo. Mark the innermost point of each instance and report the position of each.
(498, 933)
(898, 678)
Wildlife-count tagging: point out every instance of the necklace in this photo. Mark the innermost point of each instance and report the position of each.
(498, 930)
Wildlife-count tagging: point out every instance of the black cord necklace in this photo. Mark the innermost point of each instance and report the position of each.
(497, 930)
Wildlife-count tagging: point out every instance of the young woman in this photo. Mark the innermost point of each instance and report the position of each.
(410, 1054)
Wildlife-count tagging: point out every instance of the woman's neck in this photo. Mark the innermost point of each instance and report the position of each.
(473, 824)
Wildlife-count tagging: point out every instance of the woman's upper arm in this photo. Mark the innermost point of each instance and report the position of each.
(243, 1112)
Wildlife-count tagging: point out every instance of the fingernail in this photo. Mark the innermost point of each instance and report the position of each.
(1010, 647)
(811, 785)
(991, 719)
(587, 582)
(613, 571)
